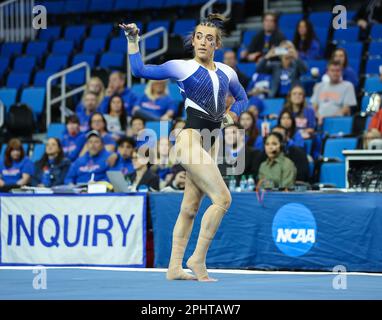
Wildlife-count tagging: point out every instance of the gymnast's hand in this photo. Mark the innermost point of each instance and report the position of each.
(131, 31)
(229, 119)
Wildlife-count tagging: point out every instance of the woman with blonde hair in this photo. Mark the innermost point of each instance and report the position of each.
(96, 86)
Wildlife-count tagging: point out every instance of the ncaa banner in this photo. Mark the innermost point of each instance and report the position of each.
(73, 230)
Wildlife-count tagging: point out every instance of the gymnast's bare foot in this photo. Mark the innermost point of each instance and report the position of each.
(177, 273)
(200, 270)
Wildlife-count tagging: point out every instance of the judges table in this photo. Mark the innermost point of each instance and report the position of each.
(306, 231)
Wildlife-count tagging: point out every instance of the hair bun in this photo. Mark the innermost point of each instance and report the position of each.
(217, 19)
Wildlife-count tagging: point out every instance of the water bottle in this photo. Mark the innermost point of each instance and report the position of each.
(232, 184)
(250, 183)
(243, 183)
(265, 127)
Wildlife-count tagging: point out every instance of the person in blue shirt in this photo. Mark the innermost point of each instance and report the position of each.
(116, 86)
(305, 41)
(73, 140)
(95, 161)
(156, 104)
(16, 169)
(52, 168)
(122, 161)
(90, 106)
(98, 122)
(287, 121)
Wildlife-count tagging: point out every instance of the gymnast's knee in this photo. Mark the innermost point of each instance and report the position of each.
(223, 201)
(189, 211)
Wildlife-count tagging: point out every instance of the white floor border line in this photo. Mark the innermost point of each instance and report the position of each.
(224, 271)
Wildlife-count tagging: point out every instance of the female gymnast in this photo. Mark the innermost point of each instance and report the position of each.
(205, 84)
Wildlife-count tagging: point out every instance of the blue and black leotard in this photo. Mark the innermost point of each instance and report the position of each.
(204, 90)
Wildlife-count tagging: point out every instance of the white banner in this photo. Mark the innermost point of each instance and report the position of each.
(73, 230)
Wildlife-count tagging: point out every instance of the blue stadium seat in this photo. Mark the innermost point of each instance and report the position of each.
(24, 64)
(54, 7)
(372, 66)
(320, 64)
(333, 173)
(76, 78)
(9, 49)
(75, 6)
(175, 92)
(4, 64)
(322, 36)
(364, 103)
(351, 34)
(101, 5)
(38, 151)
(34, 97)
(51, 33)
(63, 47)
(95, 45)
(84, 57)
(247, 37)
(289, 20)
(375, 49)
(41, 77)
(183, 27)
(334, 146)
(353, 49)
(101, 30)
(17, 79)
(376, 32)
(126, 5)
(8, 97)
(289, 34)
(273, 106)
(372, 85)
(37, 49)
(219, 55)
(118, 45)
(154, 42)
(55, 130)
(138, 89)
(338, 125)
(148, 4)
(176, 3)
(321, 19)
(248, 68)
(155, 125)
(355, 64)
(110, 59)
(75, 33)
(55, 63)
(308, 145)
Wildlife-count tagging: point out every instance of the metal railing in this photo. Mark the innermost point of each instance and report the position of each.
(143, 51)
(16, 19)
(64, 94)
(209, 6)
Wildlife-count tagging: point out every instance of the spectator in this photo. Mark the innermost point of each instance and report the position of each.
(142, 177)
(122, 161)
(259, 85)
(230, 60)
(162, 166)
(256, 106)
(348, 72)
(333, 98)
(16, 169)
(90, 106)
(302, 113)
(369, 13)
(374, 131)
(248, 122)
(285, 72)
(277, 170)
(73, 140)
(267, 38)
(94, 85)
(177, 126)
(140, 134)
(287, 121)
(155, 104)
(52, 168)
(95, 161)
(116, 117)
(178, 180)
(305, 41)
(116, 86)
(97, 122)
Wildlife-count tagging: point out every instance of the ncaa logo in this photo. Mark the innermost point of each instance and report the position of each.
(294, 229)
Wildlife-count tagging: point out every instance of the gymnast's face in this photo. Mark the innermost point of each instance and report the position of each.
(205, 42)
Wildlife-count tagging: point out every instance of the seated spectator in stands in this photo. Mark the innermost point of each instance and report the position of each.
(252, 137)
(177, 182)
(95, 161)
(259, 85)
(305, 41)
(162, 165)
(348, 72)
(369, 13)
(267, 38)
(156, 104)
(116, 86)
(16, 169)
(73, 140)
(302, 113)
(333, 98)
(230, 60)
(177, 126)
(287, 121)
(237, 157)
(90, 106)
(285, 71)
(122, 161)
(116, 117)
(94, 85)
(277, 170)
(374, 131)
(52, 168)
(97, 122)
(256, 106)
(142, 177)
